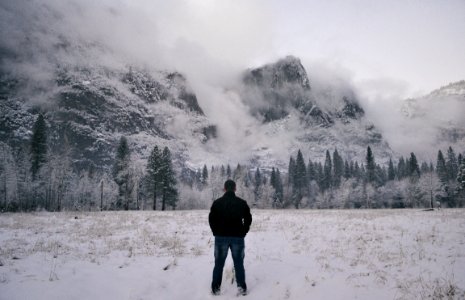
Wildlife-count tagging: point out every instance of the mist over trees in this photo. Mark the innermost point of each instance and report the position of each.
(34, 177)
(339, 183)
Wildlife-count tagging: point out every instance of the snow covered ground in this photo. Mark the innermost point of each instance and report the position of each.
(290, 254)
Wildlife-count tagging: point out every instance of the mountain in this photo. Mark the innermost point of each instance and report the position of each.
(91, 108)
(94, 86)
(273, 90)
(436, 119)
(281, 97)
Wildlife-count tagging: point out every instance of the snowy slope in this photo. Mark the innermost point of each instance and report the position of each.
(350, 254)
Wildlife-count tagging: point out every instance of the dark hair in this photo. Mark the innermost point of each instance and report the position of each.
(229, 185)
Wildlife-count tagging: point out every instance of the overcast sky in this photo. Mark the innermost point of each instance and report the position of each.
(399, 47)
(417, 43)
(411, 47)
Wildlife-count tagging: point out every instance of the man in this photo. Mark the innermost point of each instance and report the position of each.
(230, 221)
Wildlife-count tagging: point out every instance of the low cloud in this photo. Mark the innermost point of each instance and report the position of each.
(422, 125)
(211, 42)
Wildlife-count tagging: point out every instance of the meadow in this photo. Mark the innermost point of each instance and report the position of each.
(290, 254)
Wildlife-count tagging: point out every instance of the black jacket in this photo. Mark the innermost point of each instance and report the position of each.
(230, 216)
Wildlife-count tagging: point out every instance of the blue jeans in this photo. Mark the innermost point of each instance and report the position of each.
(237, 246)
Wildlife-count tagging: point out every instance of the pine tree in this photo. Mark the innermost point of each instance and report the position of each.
(153, 179)
(273, 178)
(291, 172)
(9, 180)
(461, 175)
(352, 169)
(363, 173)
(431, 167)
(444, 176)
(441, 168)
(258, 178)
(401, 168)
(424, 168)
(347, 172)
(228, 171)
(237, 172)
(371, 165)
(121, 173)
(257, 183)
(460, 189)
(204, 179)
(338, 163)
(222, 171)
(391, 171)
(380, 176)
(320, 175)
(278, 194)
(300, 179)
(451, 164)
(300, 173)
(198, 179)
(413, 168)
(38, 145)
(247, 179)
(168, 180)
(357, 172)
(264, 179)
(311, 171)
(327, 172)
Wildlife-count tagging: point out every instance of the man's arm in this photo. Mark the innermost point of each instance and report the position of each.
(247, 218)
(212, 218)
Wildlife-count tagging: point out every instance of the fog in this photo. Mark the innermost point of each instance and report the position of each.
(213, 42)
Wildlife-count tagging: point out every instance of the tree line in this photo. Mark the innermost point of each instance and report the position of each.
(406, 183)
(339, 183)
(33, 178)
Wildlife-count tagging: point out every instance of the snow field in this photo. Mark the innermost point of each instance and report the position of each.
(290, 254)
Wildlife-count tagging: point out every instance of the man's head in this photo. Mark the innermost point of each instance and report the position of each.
(229, 186)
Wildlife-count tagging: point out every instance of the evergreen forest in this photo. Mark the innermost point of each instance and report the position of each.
(32, 178)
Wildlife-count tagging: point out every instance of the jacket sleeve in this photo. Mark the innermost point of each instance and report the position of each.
(212, 218)
(247, 218)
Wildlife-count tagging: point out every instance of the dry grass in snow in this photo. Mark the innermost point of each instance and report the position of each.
(290, 254)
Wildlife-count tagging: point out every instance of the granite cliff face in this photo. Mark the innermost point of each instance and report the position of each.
(281, 93)
(275, 89)
(91, 108)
